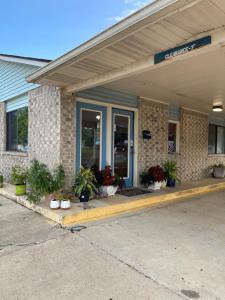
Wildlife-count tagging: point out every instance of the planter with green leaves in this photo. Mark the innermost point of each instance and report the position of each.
(170, 168)
(65, 202)
(41, 182)
(110, 183)
(1, 180)
(219, 171)
(19, 177)
(85, 184)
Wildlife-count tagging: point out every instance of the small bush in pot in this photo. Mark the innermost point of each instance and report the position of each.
(65, 202)
(1, 180)
(170, 168)
(219, 171)
(146, 178)
(158, 176)
(85, 184)
(41, 182)
(18, 178)
(110, 183)
(55, 201)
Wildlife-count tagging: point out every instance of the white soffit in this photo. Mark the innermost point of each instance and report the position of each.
(161, 25)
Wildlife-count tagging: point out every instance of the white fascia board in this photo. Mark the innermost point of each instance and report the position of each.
(147, 11)
(23, 61)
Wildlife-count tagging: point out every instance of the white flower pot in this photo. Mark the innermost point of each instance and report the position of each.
(108, 190)
(164, 184)
(54, 204)
(155, 186)
(65, 204)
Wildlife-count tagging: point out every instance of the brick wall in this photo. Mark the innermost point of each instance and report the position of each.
(153, 117)
(193, 160)
(68, 132)
(44, 125)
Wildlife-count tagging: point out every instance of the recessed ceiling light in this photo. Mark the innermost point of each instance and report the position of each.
(217, 108)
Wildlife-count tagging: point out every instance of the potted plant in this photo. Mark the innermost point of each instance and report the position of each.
(146, 178)
(158, 176)
(219, 171)
(1, 180)
(110, 182)
(85, 184)
(170, 168)
(55, 202)
(19, 176)
(65, 202)
(41, 182)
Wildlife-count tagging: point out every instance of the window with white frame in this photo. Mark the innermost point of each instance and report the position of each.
(173, 137)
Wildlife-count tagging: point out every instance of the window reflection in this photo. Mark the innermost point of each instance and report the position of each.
(91, 138)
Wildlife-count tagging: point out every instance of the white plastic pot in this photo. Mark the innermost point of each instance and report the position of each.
(155, 186)
(108, 190)
(65, 204)
(164, 184)
(54, 204)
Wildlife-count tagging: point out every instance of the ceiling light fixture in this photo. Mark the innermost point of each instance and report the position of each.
(217, 108)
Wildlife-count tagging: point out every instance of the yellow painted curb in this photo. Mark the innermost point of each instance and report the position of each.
(104, 212)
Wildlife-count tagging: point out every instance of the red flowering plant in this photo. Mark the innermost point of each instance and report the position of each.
(157, 174)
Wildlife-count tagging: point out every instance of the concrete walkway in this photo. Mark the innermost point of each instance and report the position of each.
(119, 204)
(167, 253)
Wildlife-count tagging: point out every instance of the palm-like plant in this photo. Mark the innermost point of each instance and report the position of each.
(170, 168)
(85, 182)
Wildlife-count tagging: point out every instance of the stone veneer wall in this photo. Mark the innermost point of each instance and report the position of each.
(193, 160)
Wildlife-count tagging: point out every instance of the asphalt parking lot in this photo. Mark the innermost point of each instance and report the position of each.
(174, 251)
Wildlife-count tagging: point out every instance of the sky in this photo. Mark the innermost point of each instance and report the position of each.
(49, 28)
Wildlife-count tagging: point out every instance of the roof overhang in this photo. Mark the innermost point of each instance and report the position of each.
(123, 33)
(122, 57)
(24, 60)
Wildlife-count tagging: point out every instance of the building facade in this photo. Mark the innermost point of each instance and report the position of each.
(140, 93)
(14, 107)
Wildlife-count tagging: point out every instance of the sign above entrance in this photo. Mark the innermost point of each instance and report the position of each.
(183, 49)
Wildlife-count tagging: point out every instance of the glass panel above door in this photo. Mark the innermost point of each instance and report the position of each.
(91, 138)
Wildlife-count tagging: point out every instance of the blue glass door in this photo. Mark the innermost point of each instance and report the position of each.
(91, 135)
(123, 144)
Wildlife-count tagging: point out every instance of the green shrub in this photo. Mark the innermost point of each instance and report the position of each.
(170, 168)
(1, 178)
(85, 181)
(41, 182)
(18, 175)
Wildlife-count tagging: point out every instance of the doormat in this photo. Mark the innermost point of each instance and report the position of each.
(133, 192)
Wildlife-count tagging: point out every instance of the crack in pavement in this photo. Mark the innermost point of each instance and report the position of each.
(131, 267)
(25, 245)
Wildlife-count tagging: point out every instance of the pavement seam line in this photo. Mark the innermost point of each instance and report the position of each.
(131, 267)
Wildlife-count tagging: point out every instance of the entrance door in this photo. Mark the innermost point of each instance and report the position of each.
(123, 144)
(91, 136)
